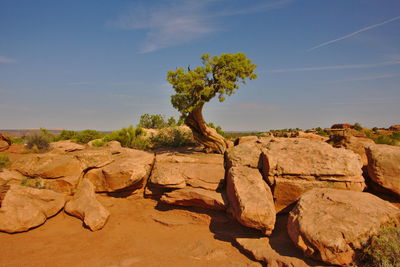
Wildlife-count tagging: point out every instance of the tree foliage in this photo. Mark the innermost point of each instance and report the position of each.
(156, 121)
(219, 76)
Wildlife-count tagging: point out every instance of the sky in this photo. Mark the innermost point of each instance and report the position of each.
(100, 64)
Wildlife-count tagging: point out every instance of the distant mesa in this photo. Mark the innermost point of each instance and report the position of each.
(395, 127)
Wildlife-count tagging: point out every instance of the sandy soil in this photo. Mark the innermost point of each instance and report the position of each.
(138, 233)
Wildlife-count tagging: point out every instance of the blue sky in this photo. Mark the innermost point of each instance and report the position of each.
(100, 64)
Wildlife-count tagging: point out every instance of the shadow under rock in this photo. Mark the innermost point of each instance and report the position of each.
(228, 229)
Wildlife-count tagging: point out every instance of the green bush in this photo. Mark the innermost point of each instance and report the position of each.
(129, 137)
(383, 250)
(38, 142)
(98, 143)
(173, 137)
(217, 128)
(38, 183)
(17, 140)
(65, 135)
(393, 139)
(357, 126)
(4, 160)
(86, 136)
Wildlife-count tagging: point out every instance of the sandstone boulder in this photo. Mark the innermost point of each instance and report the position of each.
(355, 144)
(24, 208)
(250, 199)
(94, 158)
(199, 170)
(48, 166)
(66, 146)
(86, 207)
(195, 197)
(384, 167)
(129, 170)
(293, 166)
(330, 224)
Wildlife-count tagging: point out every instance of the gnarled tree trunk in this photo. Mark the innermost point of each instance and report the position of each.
(206, 136)
(5, 139)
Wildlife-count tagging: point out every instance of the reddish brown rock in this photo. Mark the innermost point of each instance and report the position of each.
(250, 199)
(24, 207)
(355, 144)
(261, 250)
(395, 128)
(384, 167)
(86, 207)
(199, 170)
(195, 197)
(330, 224)
(66, 146)
(130, 168)
(293, 166)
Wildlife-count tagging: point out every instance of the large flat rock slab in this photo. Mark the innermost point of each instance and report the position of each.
(23, 208)
(195, 197)
(330, 224)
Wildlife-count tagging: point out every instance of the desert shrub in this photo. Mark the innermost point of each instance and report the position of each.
(86, 136)
(217, 128)
(4, 160)
(148, 121)
(173, 137)
(17, 140)
(383, 250)
(98, 143)
(38, 142)
(393, 139)
(38, 183)
(357, 126)
(65, 135)
(129, 137)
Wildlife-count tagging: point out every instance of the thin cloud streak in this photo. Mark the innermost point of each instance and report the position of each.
(4, 59)
(354, 33)
(338, 67)
(181, 21)
(370, 78)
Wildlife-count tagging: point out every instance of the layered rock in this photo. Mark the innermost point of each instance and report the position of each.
(194, 179)
(293, 166)
(129, 170)
(196, 197)
(355, 144)
(23, 208)
(330, 224)
(261, 250)
(86, 207)
(66, 146)
(250, 199)
(384, 167)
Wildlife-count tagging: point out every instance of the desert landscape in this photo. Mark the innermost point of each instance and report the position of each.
(200, 133)
(300, 200)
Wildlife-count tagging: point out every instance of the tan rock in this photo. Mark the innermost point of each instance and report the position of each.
(10, 176)
(250, 199)
(94, 158)
(293, 166)
(24, 208)
(198, 170)
(86, 207)
(195, 197)
(384, 167)
(246, 154)
(261, 250)
(66, 146)
(355, 144)
(48, 165)
(330, 224)
(131, 168)
(245, 139)
(310, 136)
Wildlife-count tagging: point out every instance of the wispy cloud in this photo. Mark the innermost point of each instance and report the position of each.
(181, 21)
(4, 59)
(355, 33)
(338, 67)
(370, 77)
(80, 83)
(370, 101)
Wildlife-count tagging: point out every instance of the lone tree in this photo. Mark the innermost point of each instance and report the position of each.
(219, 75)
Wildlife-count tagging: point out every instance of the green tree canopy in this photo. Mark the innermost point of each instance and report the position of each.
(219, 76)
